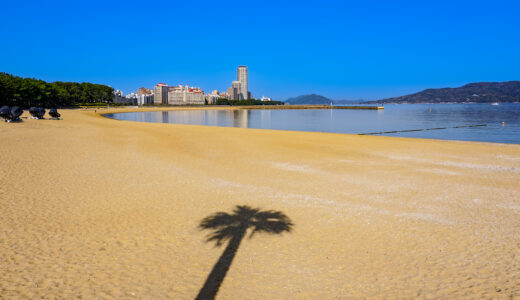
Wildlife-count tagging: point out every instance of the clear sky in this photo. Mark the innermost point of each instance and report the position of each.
(339, 49)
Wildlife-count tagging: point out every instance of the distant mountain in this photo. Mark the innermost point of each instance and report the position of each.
(508, 91)
(308, 99)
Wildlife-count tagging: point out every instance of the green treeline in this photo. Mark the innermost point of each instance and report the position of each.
(224, 101)
(27, 92)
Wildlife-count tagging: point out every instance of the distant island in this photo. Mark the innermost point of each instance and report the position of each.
(308, 99)
(481, 92)
(318, 99)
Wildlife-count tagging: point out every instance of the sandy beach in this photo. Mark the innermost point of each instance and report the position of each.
(98, 208)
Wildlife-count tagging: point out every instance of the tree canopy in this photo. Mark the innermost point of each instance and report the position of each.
(27, 92)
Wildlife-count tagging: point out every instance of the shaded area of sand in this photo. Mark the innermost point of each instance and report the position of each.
(93, 207)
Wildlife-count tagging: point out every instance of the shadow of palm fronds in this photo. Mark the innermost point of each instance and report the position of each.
(233, 227)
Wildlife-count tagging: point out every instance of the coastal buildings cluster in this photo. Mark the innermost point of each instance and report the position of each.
(163, 94)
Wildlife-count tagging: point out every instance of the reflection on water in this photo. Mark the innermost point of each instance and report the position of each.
(265, 119)
(164, 116)
(241, 118)
(393, 118)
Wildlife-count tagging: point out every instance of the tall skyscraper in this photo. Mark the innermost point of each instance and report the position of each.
(242, 78)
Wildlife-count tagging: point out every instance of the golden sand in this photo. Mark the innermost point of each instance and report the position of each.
(93, 207)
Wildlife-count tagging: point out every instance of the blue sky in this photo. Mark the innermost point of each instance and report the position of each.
(339, 49)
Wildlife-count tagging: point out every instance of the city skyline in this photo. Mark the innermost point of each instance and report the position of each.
(184, 94)
(368, 50)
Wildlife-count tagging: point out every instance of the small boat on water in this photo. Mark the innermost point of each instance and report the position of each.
(494, 103)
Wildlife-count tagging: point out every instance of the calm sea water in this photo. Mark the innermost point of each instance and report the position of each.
(425, 117)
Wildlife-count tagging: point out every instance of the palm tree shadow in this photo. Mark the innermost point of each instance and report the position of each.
(233, 227)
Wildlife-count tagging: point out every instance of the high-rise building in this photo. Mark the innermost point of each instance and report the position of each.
(182, 95)
(234, 91)
(242, 78)
(160, 94)
(144, 99)
(143, 91)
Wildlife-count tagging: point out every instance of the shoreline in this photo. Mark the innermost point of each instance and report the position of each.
(379, 134)
(97, 208)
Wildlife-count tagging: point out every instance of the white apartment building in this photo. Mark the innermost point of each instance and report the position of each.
(184, 95)
(143, 99)
(131, 98)
(118, 97)
(212, 98)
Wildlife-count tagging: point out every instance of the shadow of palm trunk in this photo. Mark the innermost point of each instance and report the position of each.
(217, 275)
(233, 227)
